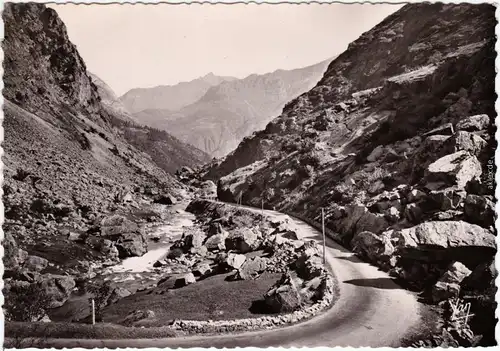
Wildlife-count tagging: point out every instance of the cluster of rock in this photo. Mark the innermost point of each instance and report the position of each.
(270, 245)
(67, 167)
(110, 239)
(398, 152)
(203, 188)
(427, 231)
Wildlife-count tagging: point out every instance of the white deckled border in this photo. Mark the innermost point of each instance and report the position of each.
(269, 2)
(295, 2)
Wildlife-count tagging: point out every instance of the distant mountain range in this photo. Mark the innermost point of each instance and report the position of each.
(168, 152)
(170, 97)
(227, 111)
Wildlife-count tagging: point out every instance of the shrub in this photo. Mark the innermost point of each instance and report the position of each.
(25, 304)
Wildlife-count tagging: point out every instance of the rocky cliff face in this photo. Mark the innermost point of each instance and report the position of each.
(109, 99)
(232, 110)
(170, 97)
(396, 144)
(66, 164)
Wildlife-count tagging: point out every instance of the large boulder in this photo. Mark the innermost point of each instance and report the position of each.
(217, 242)
(449, 284)
(313, 290)
(444, 241)
(465, 141)
(235, 261)
(444, 234)
(131, 244)
(309, 267)
(118, 294)
(244, 240)
(104, 246)
(165, 199)
(479, 210)
(474, 123)
(252, 268)
(284, 295)
(115, 225)
(128, 237)
(359, 218)
(57, 288)
(374, 247)
(185, 279)
(35, 263)
(454, 169)
(193, 240)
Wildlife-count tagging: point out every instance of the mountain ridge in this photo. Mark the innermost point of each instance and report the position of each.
(170, 97)
(394, 145)
(232, 110)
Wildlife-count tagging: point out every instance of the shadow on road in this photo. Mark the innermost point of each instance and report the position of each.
(379, 283)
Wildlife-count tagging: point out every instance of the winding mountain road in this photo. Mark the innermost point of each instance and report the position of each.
(371, 311)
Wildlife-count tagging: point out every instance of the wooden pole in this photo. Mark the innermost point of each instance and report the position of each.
(93, 312)
(324, 238)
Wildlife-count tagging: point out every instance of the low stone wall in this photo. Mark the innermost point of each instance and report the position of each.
(267, 322)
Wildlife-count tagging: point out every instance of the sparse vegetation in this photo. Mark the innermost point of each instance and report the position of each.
(27, 303)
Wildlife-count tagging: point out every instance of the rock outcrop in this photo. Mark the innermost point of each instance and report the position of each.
(67, 162)
(395, 143)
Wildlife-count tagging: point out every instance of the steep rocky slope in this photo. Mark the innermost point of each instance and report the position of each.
(109, 98)
(170, 97)
(69, 174)
(232, 110)
(168, 152)
(396, 143)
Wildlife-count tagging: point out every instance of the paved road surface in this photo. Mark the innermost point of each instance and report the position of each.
(371, 311)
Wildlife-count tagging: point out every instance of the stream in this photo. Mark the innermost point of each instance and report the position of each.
(138, 272)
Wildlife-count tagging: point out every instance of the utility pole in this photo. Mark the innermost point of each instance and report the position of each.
(262, 216)
(324, 238)
(93, 312)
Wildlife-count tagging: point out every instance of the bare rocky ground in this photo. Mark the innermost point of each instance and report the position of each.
(245, 264)
(396, 143)
(77, 195)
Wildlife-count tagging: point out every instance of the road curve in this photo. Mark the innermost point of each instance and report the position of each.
(371, 311)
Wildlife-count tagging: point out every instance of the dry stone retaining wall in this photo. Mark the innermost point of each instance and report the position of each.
(266, 322)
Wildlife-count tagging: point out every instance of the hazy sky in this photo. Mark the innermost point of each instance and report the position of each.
(132, 46)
